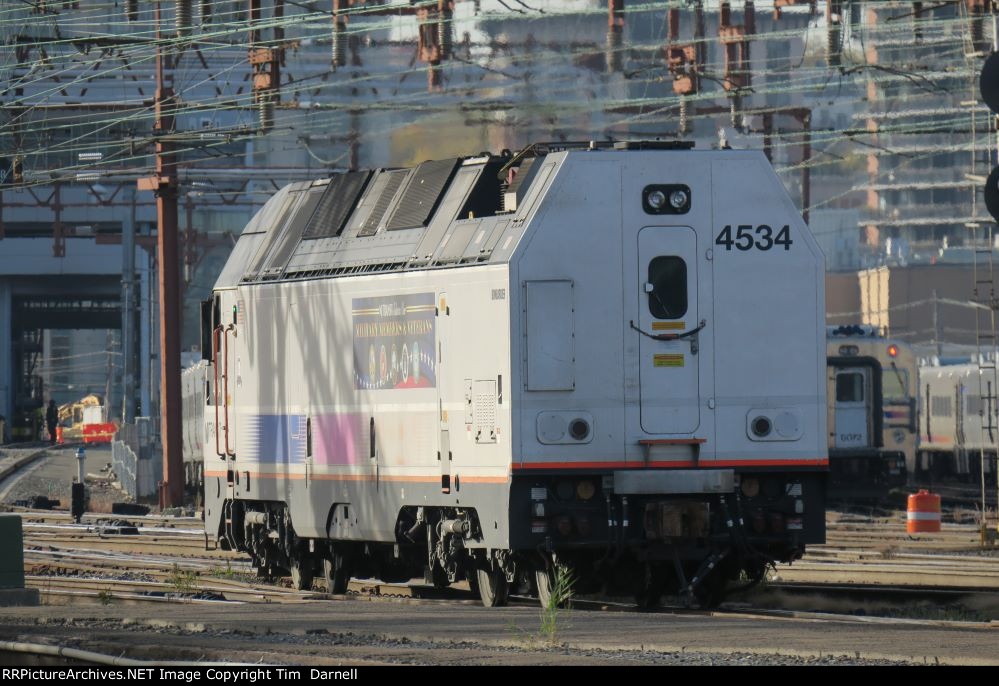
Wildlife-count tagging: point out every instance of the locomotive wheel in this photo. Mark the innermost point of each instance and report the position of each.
(493, 587)
(649, 591)
(336, 573)
(711, 595)
(544, 580)
(439, 578)
(472, 577)
(301, 572)
(648, 598)
(264, 571)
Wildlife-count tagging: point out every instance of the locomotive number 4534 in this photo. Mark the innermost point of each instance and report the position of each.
(748, 237)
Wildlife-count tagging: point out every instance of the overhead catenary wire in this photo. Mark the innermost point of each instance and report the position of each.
(560, 88)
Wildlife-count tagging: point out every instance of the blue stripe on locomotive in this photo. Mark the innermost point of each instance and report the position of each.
(274, 438)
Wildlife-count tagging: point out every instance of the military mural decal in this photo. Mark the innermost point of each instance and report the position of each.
(394, 342)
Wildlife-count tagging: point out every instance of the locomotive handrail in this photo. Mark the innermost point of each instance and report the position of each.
(215, 385)
(225, 386)
(669, 336)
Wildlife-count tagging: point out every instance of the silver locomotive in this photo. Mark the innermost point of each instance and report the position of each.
(602, 358)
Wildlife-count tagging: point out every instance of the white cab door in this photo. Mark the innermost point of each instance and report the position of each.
(852, 408)
(667, 304)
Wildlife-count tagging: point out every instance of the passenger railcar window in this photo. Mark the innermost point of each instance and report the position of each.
(668, 297)
(940, 406)
(849, 388)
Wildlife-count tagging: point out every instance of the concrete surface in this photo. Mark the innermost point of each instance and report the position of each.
(860, 638)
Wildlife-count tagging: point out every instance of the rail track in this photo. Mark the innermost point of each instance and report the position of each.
(867, 559)
(868, 553)
(961, 496)
(812, 600)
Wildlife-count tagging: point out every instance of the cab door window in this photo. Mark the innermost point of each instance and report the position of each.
(849, 388)
(667, 287)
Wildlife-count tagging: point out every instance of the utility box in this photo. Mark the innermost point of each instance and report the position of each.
(12, 590)
(11, 552)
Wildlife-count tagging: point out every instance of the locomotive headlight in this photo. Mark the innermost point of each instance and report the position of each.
(750, 486)
(666, 198)
(657, 200)
(585, 490)
(677, 199)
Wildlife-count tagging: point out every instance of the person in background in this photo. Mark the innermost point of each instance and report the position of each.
(52, 419)
(38, 424)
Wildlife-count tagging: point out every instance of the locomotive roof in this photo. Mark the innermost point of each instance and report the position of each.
(441, 213)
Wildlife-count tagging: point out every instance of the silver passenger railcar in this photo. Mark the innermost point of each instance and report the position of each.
(193, 397)
(606, 358)
(959, 422)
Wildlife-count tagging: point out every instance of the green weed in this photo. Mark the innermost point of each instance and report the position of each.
(555, 611)
(183, 582)
(104, 596)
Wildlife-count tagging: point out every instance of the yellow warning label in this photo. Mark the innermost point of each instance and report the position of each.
(667, 360)
(668, 326)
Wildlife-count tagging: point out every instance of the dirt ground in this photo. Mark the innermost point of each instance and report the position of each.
(52, 476)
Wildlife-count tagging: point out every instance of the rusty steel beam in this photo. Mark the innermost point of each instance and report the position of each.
(266, 64)
(164, 185)
(735, 50)
(681, 59)
(779, 4)
(434, 39)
